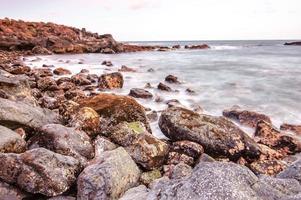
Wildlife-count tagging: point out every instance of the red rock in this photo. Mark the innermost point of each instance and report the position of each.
(61, 71)
(110, 81)
(47, 83)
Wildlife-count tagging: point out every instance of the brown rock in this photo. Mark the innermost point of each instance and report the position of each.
(80, 79)
(10, 192)
(140, 93)
(189, 148)
(175, 158)
(40, 72)
(126, 69)
(47, 83)
(110, 81)
(291, 127)
(107, 63)
(66, 86)
(172, 79)
(164, 87)
(201, 46)
(268, 167)
(61, 71)
(16, 69)
(11, 142)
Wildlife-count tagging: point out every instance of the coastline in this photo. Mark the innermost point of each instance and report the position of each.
(67, 135)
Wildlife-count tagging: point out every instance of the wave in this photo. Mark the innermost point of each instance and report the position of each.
(225, 47)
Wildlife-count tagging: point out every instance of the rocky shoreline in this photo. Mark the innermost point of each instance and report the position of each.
(64, 137)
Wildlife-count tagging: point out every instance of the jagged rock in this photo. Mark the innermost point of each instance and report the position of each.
(61, 71)
(17, 114)
(65, 141)
(140, 93)
(245, 117)
(113, 174)
(116, 109)
(11, 142)
(110, 81)
(39, 171)
(217, 135)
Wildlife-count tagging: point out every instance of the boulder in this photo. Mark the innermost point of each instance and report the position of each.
(61, 71)
(292, 172)
(10, 192)
(201, 46)
(136, 193)
(189, 148)
(245, 117)
(126, 69)
(65, 141)
(116, 109)
(217, 135)
(39, 171)
(268, 167)
(47, 84)
(102, 144)
(110, 81)
(147, 177)
(40, 72)
(17, 114)
(164, 87)
(180, 170)
(16, 69)
(140, 93)
(172, 79)
(11, 142)
(113, 174)
(107, 63)
(145, 149)
(296, 43)
(291, 127)
(80, 79)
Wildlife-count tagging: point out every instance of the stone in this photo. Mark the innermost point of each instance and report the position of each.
(175, 158)
(65, 141)
(180, 170)
(61, 71)
(126, 69)
(41, 72)
(145, 149)
(176, 46)
(75, 95)
(201, 46)
(245, 117)
(136, 193)
(16, 69)
(172, 79)
(189, 148)
(39, 171)
(109, 178)
(17, 114)
(291, 127)
(116, 109)
(268, 167)
(87, 120)
(147, 177)
(164, 87)
(217, 135)
(296, 43)
(41, 50)
(107, 63)
(48, 102)
(11, 142)
(110, 81)
(102, 144)
(47, 83)
(10, 192)
(80, 79)
(140, 93)
(67, 86)
(293, 171)
(152, 116)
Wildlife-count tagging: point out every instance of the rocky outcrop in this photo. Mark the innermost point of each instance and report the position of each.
(291, 127)
(217, 135)
(245, 117)
(11, 142)
(110, 81)
(39, 171)
(140, 93)
(116, 109)
(201, 46)
(114, 173)
(17, 114)
(65, 141)
(297, 43)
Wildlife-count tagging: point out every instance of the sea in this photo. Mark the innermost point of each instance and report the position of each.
(262, 76)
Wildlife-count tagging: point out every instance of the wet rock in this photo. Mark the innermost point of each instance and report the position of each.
(201, 46)
(190, 91)
(16, 69)
(126, 69)
(107, 51)
(292, 172)
(147, 177)
(40, 72)
(65, 141)
(270, 136)
(145, 149)
(61, 71)
(268, 167)
(80, 79)
(136, 193)
(84, 71)
(172, 79)
(140, 93)
(164, 87)
(189, 148)
(176, 46)
(297, 43)
(17, 114)
(63, 79)
(174, 103)
(107, 63)
(245, 117)
(92, 77)
(10, 192)
(116, 109)
(110, 81)
(152, 116)
(66, 86)
(75, 95)
(48, 66)
(47, 83)
(217, 135)
(11, 142)
(291, 127)
(16, 87)
(39, 171)
(150, 70)
(87, 120)
(109, 178)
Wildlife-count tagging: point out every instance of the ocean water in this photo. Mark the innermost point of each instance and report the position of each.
(263, 76)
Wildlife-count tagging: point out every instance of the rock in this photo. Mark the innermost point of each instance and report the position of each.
(116, 109)
(176, 46)
(65, 141)
(136, 193)
(110, 81)
(10, 192)
(16, 69)
(66, 86)
(61, 71)
(75, 95)
(297, 43)
(201, 46)
(102, 144)
(84, 71)
(107, 51)
(126, 69)
(39, 171)
(17, 114)
(49, 102)
(80, 79)
(175, 158)
(164, 87)
(62, 198)
(47, 83)
(270, 136)
(41, 51)
(140, 93)
(87, 120)
(63, 80)
(48, 66)
(190, 91)
(150, 70)
(109, 178)
(16, 88)
(292, 172)
(172, 79)
(180, 170)
(92, 77)
(189, 148)
(205, 158)
(107, 63)
(145, 149)
(11, 142)
(245, 117)
(268, 167)
(152, 116)
(40, 72)
(291, 127)
(147, 177)
(217, 135)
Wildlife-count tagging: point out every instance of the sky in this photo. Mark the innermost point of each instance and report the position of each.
(157, 20)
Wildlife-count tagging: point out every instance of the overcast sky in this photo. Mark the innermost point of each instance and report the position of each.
(134, 20)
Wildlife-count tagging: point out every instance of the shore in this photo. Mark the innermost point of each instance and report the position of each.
(66, 136)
